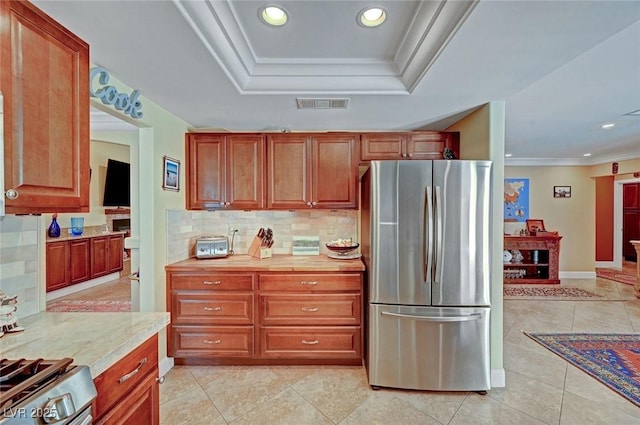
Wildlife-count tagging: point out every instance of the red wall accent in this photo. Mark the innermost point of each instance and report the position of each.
(604, 218)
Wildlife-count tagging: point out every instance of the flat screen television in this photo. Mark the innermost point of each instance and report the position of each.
(117, 184)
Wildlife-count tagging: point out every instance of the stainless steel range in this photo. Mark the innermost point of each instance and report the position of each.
(45, 392)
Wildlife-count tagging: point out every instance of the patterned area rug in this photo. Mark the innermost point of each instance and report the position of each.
(617, 275)
(565, 293)
(68, 306)
(613, 359)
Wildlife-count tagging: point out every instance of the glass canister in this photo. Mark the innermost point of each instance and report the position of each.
(77, 225)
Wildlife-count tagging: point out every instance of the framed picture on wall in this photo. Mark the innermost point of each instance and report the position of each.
(562, 191)
(171, 174)
(535, 225)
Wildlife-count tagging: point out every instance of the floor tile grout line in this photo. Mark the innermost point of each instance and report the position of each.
(316, 407)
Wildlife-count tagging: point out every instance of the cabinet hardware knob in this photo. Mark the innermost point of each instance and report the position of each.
(310, 309)
(160, 380)
(404, 155)
(218, 308)
(208, 341)
(208, 282)
(410, 155)
(226, 204)
(308, 282)
(308, 203)
(133, 372)
(11, 194)
(314, 342)
(314, 203)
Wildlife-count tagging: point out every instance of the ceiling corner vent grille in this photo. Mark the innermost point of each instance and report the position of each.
(332, 103)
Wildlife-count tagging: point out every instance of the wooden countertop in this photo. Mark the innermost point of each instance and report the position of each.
(277, 263)
(97, 340)
(85, 235)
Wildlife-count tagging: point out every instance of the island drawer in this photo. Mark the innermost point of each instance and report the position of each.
(310, 309)
(293, 282)
(311, 342)
(212, 308)
(212, 282)
(207, 341)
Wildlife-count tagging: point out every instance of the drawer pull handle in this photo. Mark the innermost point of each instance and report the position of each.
(208, 341)
(208, 282)
(213, 308)
(308, 282)
(310, 309)
(133, 372)
(314, 342)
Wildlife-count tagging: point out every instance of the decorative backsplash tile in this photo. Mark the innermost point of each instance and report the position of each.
(184, 227)
(19, 261)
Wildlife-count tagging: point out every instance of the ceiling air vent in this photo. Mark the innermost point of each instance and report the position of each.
(334, 103)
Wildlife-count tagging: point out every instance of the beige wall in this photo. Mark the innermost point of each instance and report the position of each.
(629, 167)
(573, 217)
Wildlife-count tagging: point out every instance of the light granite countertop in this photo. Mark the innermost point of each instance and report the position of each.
(282, 263)
(87, 234)
(97, 340)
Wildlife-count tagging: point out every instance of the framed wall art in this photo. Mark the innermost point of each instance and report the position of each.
(535, 225)
(562, 191)
(171, 174)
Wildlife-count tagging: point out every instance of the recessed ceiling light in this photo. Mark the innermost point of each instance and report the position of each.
(609, 125)
(273, 15)
(508, 155)
(371, 17)
(586, 154)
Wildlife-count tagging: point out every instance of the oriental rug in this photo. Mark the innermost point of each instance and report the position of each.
(564, 293)
(72, 306)
(612, 359)
(618, 275)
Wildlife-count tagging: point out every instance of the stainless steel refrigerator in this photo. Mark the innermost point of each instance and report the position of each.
(426, 245)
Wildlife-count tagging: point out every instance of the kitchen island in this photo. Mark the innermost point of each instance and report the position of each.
(97, 340)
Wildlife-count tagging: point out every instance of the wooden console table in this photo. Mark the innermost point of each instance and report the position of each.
(540, 259)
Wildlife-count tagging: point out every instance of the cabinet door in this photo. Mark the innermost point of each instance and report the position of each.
(630, 231)
(631, 195)
(140, 407)
(334, 172)
(205, 171)
(45, 81)
(79, 262)
(116, 250)
(288, 171)
(431, 144)
(57, 265)
(99, 256)
(380, 146)
(245, 163)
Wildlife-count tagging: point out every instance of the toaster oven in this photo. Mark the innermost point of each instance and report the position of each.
(212, 247)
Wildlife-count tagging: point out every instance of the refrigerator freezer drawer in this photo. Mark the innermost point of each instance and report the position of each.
(429, 348)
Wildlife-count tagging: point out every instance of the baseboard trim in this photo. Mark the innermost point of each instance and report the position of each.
(577, 275)
(605, 264)
(82, 286)
(165, 365)
(498, 378)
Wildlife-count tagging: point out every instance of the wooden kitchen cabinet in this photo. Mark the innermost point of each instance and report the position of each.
(44, 80)
(265, 317)
(630, 219)
(74, 261)
(128, 391)
(106, 255)
(312, 171)
(224, 171)
(57, 261)
(79, 261)
(408, 145)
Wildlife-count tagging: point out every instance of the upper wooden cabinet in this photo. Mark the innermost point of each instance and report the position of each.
(44, 79)
(224, 171)
(311, 170)
(408, 145)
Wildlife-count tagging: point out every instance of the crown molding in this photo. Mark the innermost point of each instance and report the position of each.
(217, 26)
(568, 162)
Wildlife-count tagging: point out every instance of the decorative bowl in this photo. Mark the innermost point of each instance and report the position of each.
(342, 250)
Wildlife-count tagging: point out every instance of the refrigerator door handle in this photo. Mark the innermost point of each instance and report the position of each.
(427, 241)
(462, 318)
(438, 232)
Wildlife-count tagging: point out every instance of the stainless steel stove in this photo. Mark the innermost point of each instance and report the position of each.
(45, 392)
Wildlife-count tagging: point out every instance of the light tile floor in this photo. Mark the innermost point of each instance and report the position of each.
(541, 387)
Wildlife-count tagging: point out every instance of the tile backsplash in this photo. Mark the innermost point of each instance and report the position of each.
(19, 261)
(184, 227)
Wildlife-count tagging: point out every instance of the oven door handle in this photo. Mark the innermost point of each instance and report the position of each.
(58, 408)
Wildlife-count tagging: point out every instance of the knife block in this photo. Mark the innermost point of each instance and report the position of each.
(256, 249)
